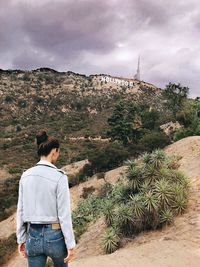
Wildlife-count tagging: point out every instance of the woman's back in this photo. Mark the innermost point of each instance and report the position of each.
(39, 186)
(44, 206)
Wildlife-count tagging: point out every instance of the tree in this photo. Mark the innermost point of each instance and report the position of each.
(122, 123)
(149, 118)
(175, 95)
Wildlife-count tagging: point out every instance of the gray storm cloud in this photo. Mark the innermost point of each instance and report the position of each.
(104, 37)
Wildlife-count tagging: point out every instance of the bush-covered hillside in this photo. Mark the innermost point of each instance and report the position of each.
(101, 121)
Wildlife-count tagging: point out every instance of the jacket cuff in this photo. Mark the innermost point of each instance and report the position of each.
(21, 240)
(70, 245)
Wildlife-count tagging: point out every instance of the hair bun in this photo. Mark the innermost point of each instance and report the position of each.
(41, 137)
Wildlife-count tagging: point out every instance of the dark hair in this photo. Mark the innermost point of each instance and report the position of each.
(46, 143)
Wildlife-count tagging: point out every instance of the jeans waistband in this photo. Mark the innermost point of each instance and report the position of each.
(41, 225)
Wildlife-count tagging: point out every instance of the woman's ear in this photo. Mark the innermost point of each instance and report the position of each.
(55, 150)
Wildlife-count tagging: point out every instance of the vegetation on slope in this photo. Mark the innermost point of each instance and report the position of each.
(152, 193)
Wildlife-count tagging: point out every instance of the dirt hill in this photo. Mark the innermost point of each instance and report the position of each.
(176, 245)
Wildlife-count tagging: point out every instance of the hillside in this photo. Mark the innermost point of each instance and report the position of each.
(67, 104)
(33, 95)
(176, 245)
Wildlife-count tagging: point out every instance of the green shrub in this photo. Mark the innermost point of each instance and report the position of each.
(150, 195)
(8, 195)
(87, 210)
(87, 191)
(105, 190)
(108, 212)
(108, 157)
(85, 172)
(15, 170)
(110, 240)
(7, 247)
(180, 133)
(153, 140)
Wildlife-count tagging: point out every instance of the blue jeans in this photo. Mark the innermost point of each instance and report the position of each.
(43, 241)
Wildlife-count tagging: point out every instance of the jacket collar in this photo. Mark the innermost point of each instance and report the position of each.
(46, 162)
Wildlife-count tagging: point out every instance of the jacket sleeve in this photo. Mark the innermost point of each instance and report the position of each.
(64, 211)
(21, 225)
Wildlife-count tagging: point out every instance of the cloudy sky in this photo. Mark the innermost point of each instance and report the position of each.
(92, 37)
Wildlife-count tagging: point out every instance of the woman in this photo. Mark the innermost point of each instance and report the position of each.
(44, 224)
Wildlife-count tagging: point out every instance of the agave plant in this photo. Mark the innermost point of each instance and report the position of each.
(124, 219)
(134, 177)
(108, 212)
(163, 173)
(158, 157)
(146, 158)
(110, 240)
(130, 164)
(137, 205)
(138, 211)
(181, 178)
(166, 217)
(179, 204)
(181, 191)
(164, 193)
(146, 186)
(172, 162)
(120, 192)
(150, 201)
(150, 174)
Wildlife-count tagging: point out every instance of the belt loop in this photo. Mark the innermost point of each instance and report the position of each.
(28, 227)
(43, 230)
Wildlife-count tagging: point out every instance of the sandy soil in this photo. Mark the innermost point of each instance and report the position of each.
(4, 174)
(7, 227)
(176, 245)
(74, 168)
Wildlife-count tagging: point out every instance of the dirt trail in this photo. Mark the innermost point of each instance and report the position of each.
(176, 245)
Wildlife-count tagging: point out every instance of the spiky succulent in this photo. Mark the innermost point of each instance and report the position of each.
(166, 217)
(134, 177)
(146, 158)
(158, 157)
(172, 162)
(145, 187)
(110, 240)
(150, 202)
(120, 192)
(164, 193)
(137, 205)
(179, 204)
(108, 212)
(130, 163)
(124, 219)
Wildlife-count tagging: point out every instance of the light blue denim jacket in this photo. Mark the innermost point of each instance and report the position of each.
(44, 197)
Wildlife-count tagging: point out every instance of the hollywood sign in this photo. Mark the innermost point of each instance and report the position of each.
(117, 81)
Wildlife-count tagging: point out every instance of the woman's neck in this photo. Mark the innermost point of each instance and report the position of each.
(46, 158)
